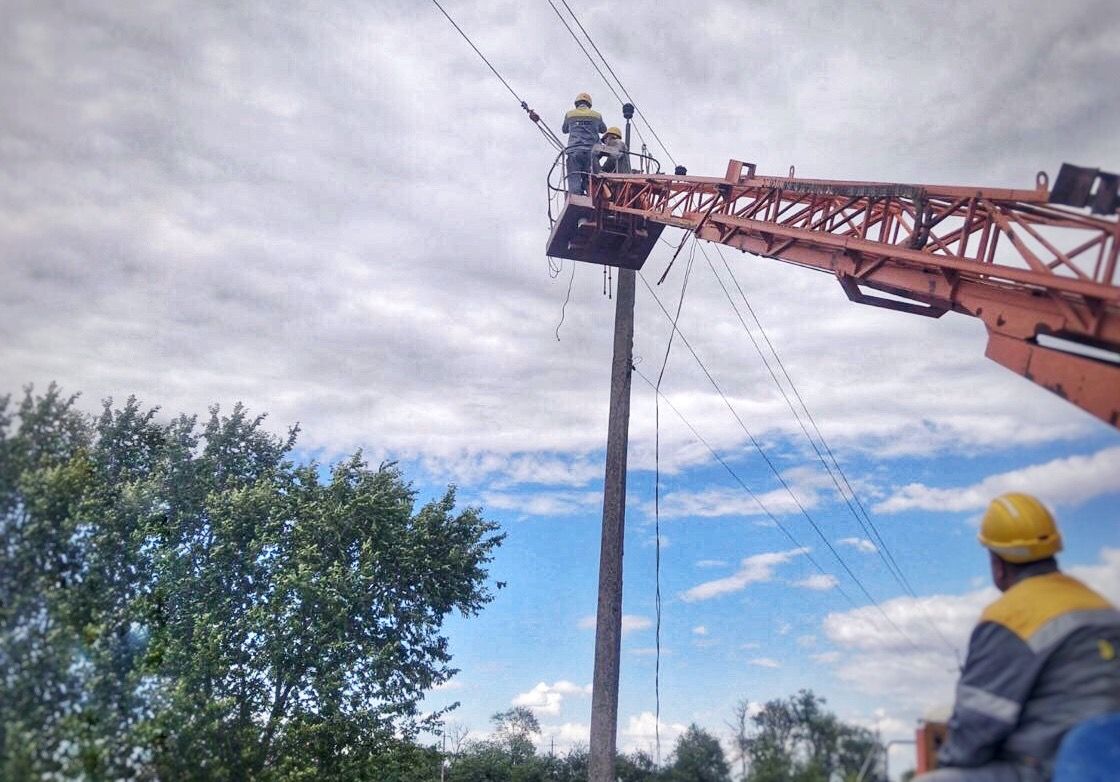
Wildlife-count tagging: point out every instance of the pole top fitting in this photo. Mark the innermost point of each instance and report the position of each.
(627, 110)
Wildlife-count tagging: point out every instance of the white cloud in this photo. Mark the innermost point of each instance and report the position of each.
(640, 732)
(543, 503)
(807, 640)
(711, 563)
(859, 544)
(820, 582)
(547, 698)
(1064, 481)
(754, 569)
(878, 661)
(765, 662)
(630, 623)
(700, 630)
(565, 736)
(825, 657)
(805, 483)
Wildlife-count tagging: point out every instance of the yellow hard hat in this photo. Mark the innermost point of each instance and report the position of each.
(1019, 528)
(612, 131)
(584, 97)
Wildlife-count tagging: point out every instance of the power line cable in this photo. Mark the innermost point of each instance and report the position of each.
(545, 130)
(595, 65)
(777, 522)
(773, 468)
(865, 522)
(620, 84)
(657, 508)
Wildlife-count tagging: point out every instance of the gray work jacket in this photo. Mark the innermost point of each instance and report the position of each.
(584, 127)
(1044, 657)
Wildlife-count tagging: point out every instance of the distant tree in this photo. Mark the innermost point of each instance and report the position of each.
(798, 740)
(636, 767)
(514, 731)
(698, 757)
(183, 602)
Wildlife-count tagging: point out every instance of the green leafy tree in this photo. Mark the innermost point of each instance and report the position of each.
(184, 602)
(798, 740)
(698, 757)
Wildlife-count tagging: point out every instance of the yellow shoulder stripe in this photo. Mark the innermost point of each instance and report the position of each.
(1033, 602)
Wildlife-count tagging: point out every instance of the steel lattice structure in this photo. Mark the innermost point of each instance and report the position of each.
(1027, 268)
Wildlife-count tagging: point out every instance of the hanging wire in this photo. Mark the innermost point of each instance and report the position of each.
(564, 306)
(599, 70)
(545, 130)
(831, 465)
(773, 468)
(657, 507)
(771, 515)
(620, 84)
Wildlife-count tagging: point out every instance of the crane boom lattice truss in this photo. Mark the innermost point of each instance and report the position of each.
(1025, 267)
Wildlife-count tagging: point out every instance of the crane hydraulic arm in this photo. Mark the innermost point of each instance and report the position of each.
(1029, 269)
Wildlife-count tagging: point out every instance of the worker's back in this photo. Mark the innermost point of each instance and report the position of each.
(1070, 659)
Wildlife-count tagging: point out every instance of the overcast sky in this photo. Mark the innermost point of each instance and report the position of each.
(336, 214)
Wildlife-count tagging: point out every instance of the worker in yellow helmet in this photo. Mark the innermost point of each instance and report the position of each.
(611, 154)
(1044, 657)
(583, 126)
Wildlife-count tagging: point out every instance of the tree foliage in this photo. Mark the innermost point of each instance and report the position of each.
(180, 600)
(798, 740)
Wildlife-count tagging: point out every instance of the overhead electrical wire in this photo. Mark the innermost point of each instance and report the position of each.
(774, 519)
(599, 70)
(773, 468)
(657, 507)
(615, 75)
(834, 469)
(541, 125)
(865, 522)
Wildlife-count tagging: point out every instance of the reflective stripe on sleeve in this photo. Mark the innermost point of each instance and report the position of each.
(1061, 626)
(989, 704)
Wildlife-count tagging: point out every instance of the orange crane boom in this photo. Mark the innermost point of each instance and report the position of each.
(1028, 268)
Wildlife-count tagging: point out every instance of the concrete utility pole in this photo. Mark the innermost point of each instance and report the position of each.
(608, 617)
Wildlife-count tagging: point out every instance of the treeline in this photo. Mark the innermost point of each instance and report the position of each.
(181, 600)
(794, 739)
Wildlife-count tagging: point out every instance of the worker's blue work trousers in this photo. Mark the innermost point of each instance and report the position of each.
(578, 162)
(991, 772)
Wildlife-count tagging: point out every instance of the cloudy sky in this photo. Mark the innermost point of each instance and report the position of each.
(336, 214)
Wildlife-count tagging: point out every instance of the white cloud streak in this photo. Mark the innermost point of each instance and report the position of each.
(630, 623)
(752, 570)
(876, 660)
(1064, 481)
(862, 545)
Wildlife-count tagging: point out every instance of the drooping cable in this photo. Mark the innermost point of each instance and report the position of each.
(657, 509)
(773, 469)
(545, 130)
(567, 298)
(831, 465)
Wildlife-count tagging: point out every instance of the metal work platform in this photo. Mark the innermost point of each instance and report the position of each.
(584, 233)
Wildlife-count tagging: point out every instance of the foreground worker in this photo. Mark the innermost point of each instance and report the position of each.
(611, 154)
(583, 126)
(1044, 657)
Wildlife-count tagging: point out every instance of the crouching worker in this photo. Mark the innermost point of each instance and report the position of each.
(610, 154)
(1044, 657)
